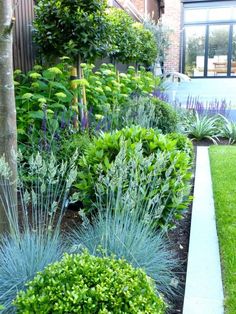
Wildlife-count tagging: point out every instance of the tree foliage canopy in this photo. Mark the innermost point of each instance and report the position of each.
(129, 41)
(70, 27)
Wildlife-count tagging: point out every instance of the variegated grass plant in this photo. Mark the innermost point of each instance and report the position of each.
(34, 240)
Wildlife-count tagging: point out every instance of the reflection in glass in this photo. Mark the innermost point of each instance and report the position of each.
(218, 50)
(220, 14)
(233, 58)
(195, 50)
(195, 15)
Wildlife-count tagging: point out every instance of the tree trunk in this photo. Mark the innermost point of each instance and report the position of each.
(75, 110)
(82, 99)
(7, 108)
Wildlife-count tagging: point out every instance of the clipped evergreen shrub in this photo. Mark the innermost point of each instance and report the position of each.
(165, 115)
(88, 284)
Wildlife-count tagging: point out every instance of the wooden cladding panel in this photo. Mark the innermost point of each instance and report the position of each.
(23, 50)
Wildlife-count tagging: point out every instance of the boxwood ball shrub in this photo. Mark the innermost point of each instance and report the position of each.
(165, 115)
(102, 151)
(150, 112)
(88, 284)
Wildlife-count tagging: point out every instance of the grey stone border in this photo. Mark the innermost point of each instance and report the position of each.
(204, 290)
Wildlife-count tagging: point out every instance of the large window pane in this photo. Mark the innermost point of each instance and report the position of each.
(218, 50)
(220, 14)
(195, 15)
(195, 50)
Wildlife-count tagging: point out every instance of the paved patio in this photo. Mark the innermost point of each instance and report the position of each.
(207, 89)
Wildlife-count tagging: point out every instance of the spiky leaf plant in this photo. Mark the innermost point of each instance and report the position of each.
(34, 240)
(200, 127)
(123, 225)
(228, 130)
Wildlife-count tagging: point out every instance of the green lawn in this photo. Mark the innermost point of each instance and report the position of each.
(223, 167)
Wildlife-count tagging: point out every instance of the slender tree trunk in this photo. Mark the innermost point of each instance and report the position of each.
(73, 76)
(7, 106)
(82, 100)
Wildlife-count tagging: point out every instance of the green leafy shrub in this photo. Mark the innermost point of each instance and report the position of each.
(107, 89)
(165, 115)
(44, 96)
(182, 143)
(102, 152)
(88, 284)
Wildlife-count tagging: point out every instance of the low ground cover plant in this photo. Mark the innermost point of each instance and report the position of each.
(87, 284)
(173, 172)
(222, 159)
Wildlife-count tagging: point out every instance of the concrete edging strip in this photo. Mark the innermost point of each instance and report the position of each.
(203, 290)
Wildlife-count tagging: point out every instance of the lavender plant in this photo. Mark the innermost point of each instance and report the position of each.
(211, 108)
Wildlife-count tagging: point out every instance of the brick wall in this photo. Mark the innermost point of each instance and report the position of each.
(172, 19)
(152, 7)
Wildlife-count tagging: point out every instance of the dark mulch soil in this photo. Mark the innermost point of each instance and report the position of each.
(179, 241)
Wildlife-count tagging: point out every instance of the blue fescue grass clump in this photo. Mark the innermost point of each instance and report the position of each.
(34, 240)
(125, 236)
(20, 260)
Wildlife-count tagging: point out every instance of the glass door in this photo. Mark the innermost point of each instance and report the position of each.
(195, 50)
(218, 50)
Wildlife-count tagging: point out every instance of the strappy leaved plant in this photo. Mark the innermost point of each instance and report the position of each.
(228, 130)
(202, 127)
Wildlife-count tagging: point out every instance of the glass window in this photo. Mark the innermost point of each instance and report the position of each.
(218, 14)
(234, 13)
(195, 15)
(195, 50)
